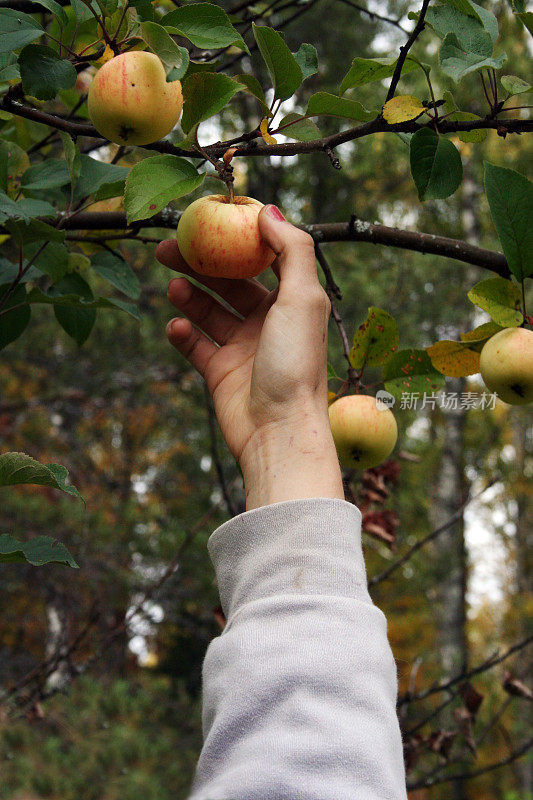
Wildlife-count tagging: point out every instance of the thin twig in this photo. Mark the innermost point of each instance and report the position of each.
(335, 289)
(373, 15)
(490, 662)
(464, 776)
(211, 420)
(415, 33)
(428, 538)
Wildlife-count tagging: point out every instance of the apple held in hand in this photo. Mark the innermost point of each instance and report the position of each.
(130, 101)
(506, 365)
(221, 238)
(363, 434)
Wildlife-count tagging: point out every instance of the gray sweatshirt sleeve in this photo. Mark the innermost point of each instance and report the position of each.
(300, 688)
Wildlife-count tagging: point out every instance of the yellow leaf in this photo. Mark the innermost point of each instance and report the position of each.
(481, 333)
(454, 359)
(402, 108)
(268, 139)
(107, 55)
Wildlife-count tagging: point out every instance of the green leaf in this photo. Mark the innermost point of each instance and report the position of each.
(284, 69)
(17, 468)
(500, 299)
(53, 260)
(446, 19)
(456, 62)
(527, 19)
(205, 25)
(411, 371)
(205, 94)
(72, 157)
(55, 8)
(108, 190)
(253, 87)
(477, 135)
(464, 6)
(299, 128)
(94, 174)
(78, 321)
(331, 374)
(82, 11)
(173, 56)
(375, 340)
(515, 85)
(38, 551)
(307, 58)
(435, 165)
(154, 182)
(8, 273)
(24, 209)
(47, 174)
(55, 298)
(118, 272)
(44, 73)
(34, 231)
(9, 70)
(13, 323)
(510, 197)
(325, 104)
(17, 29)
(368, 70)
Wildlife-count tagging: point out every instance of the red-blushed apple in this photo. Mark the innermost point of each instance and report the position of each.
(506, 365)
(221, 238)
(130, 101)
(363, 433)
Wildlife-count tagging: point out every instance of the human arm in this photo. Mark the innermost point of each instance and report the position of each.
(299, 690)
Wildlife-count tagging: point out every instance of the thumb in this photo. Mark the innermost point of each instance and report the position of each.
(295, 250)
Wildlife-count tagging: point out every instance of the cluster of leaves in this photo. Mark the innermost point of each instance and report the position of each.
(19, 468)
(49, 70)
(375, 343)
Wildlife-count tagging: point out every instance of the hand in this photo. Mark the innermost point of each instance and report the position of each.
(266, 364)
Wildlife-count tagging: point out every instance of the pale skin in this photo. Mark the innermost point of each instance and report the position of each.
(265, 366)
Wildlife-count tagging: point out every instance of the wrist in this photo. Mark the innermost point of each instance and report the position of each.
(293, 460)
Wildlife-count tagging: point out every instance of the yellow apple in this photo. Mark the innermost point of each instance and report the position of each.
(130, 102)
(221, 238)
(506, 365)
(364, 435)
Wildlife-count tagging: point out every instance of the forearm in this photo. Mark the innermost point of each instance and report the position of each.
(300, 688)
(292, 462)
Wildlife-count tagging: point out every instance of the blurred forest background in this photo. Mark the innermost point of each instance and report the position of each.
(117, 712)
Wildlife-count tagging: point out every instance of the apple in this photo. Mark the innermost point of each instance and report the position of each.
(220, 237)
(506, 365)
(130, 101)
(364, 435)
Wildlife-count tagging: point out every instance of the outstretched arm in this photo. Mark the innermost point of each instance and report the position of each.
(300, 688)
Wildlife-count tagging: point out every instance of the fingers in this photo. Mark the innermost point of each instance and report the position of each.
(295, 262)
(203, 311)
(191, 343)
(243, 295)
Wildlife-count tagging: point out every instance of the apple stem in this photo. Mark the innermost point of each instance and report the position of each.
(231, 191)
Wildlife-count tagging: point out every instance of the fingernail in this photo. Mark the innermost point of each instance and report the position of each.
(276, 213)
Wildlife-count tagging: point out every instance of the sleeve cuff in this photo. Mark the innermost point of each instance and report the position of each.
(304, 547)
